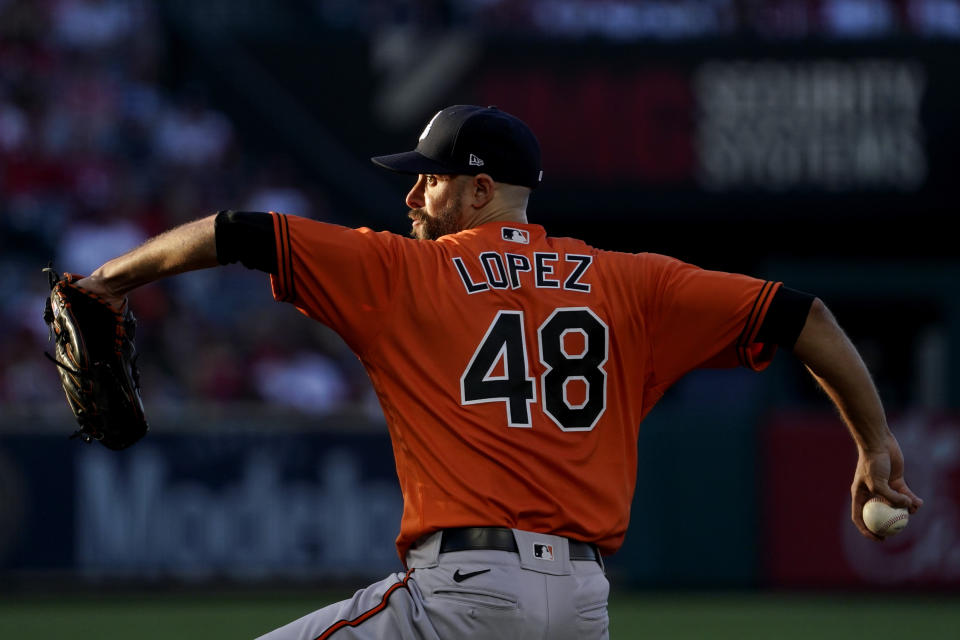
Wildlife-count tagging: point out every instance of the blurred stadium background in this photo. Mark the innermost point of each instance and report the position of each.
(809, 141)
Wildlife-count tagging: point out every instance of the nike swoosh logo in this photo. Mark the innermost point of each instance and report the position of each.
(460, 577)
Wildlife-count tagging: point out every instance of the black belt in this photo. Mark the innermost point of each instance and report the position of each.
(500, 539)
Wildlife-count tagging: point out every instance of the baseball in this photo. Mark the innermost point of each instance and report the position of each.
(883, 519)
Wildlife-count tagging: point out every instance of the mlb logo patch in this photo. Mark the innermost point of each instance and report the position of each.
(543, 551)
(516, 235)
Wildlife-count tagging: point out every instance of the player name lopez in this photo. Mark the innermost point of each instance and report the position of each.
(513, 270)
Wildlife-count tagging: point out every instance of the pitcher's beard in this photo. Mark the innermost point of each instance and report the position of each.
(433, 227)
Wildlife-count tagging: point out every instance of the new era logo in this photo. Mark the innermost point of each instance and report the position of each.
(475, 161)
(516, 235)
(543, 551)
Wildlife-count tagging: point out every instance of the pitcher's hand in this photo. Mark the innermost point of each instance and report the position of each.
(880, 473)
(95, 284)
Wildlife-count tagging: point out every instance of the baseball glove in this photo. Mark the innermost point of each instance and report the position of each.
(96, 360)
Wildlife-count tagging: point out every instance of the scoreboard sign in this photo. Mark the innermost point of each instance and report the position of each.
(834, 125)
(721, 127)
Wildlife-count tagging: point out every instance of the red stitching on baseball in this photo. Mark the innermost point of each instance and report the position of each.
(897, 518)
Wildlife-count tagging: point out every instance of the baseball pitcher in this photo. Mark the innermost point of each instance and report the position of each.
(514, 370)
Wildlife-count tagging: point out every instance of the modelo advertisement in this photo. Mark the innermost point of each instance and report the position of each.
(809, 539)
(200, 506)
(196, 507)
(296, 506)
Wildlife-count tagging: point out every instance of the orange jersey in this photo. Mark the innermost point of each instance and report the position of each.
(514, 369)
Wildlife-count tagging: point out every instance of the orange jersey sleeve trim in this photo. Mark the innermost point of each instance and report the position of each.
(282, 283)
(754, 355)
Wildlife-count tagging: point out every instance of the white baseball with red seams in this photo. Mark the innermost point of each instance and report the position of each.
(884, 519)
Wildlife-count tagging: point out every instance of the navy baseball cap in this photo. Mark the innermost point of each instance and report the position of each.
(468, 140)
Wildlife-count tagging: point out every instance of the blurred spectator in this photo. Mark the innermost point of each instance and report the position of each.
(91, 24)
(96, 155)
(192, 134)
(219, 373)
(26, 378)
(308, 381)
(31, 224)
(276, 189)
(935, 17)
(666, 19)
(285, 199)
(859, 17)
(13, 126)
(652, 19)
(89, 242)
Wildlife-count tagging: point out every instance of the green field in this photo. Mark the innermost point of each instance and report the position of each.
(636, 615)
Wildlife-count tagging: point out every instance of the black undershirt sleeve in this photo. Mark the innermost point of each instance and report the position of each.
(785, 317)
(246, 237)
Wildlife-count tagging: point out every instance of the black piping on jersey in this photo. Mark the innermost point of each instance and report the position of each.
(366, 615)
(783, 322)
(287, 258)
(744, 340)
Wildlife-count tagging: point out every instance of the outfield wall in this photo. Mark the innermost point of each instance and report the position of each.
(720, 503)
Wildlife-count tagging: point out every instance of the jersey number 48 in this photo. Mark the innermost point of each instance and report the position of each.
(505, 346)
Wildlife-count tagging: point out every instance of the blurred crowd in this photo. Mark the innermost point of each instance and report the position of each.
(97, 154)
(100, 149)
(658, 19)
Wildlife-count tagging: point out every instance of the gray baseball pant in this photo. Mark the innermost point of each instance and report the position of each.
(498, 595)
